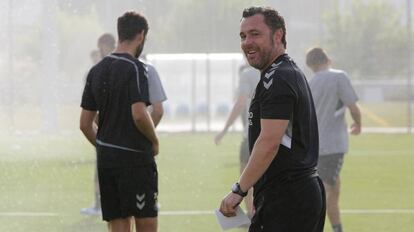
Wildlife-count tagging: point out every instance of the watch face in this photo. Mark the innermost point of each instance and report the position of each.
(234, 188)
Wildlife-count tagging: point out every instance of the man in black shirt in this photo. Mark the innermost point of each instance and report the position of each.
(283, 135)
(126, 143)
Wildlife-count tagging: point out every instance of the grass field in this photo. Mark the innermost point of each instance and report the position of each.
(381, 114)
(53, 175)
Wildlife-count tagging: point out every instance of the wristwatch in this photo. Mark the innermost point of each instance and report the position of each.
(237, 190)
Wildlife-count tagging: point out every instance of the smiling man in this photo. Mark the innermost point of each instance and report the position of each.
(283, 135)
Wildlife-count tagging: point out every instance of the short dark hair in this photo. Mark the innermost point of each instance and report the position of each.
(316, 56)
(272, 19)
(107, 39)
(130, 24)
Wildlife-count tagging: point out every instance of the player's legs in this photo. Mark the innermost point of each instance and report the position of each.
(120, 225)
(95, 209)
(97, 191)
(332, 200)
(329, 167)
(120, 201)
(146, 224)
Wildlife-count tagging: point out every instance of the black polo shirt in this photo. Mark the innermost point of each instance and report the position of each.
(283, 93)
(112, 86)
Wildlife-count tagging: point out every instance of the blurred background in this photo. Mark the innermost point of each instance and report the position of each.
(195, 47)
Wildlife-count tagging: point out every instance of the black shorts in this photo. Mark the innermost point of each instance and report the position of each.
(130, 191)
(329, 167)
(294, 207)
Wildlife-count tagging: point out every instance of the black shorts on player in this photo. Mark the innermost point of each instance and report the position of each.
(128, 192)
(276, 210)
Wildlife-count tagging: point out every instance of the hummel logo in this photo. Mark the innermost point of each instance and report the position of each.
(140, 205)
(140, 201)
(268, 75)
(268, 84)
(276, 65)
(140, 198)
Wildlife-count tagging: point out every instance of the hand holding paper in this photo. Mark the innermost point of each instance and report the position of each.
(232, 222)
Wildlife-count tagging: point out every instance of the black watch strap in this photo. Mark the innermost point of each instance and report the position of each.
(237, 190)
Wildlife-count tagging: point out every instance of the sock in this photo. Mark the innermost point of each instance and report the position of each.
(337, 228)
(97, 200)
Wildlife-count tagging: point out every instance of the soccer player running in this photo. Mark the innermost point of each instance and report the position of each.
(333, 93)
(126, 142)
(283, 135)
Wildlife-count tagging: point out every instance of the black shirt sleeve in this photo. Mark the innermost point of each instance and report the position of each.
(88, 100)
(277, 101)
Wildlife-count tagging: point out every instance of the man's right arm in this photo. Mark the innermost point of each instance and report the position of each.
(87, 126)
(237, 109)
(144, 123)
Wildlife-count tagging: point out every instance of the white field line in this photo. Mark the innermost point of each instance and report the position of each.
(211, 212)
(28, 214)
(345, 211)
(377, 211)
(214, 127)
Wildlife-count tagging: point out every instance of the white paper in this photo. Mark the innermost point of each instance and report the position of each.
(232, 222)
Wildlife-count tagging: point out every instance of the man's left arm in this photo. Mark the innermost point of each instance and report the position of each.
(87, 123)
(263, 153)
(349, 97)
(157, 112)
(156, 95)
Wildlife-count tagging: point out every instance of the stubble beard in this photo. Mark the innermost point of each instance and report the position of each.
(139, 50)
(265, 58)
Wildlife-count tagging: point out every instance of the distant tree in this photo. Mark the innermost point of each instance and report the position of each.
(368, 40)
(175, 25)
(77, 32)
(195, 26)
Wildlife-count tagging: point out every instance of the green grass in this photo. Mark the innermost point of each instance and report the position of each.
(54, 174)
(384, 114)
(381, 114)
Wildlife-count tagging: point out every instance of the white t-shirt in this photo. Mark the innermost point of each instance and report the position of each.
(332, 92)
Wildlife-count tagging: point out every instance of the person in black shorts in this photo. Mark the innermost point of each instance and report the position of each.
(332, 93)
(106, 45)
(126, 142)
(283, 135)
